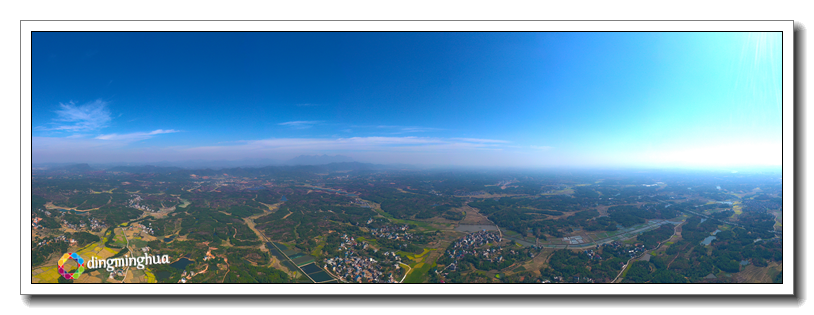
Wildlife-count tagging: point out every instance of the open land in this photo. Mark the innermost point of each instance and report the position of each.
(322, 225)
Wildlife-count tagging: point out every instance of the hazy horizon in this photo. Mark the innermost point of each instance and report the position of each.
(534, 100)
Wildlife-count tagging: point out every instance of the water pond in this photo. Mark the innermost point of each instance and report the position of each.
(181, 264)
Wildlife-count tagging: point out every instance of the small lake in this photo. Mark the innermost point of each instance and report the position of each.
(283, 199)
(716, 232)
(169, 239)
(708, 240)
(181, 264)
(744, 262)
(475, 227)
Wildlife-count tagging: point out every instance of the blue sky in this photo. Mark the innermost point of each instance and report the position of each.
(493, 99)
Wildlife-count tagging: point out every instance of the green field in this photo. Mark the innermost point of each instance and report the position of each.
(419, 273)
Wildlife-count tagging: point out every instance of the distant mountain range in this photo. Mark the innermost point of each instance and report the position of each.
(205, 171)
(318, 159)
(196, 164)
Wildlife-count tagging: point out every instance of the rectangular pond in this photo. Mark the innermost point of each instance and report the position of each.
(320, 276)
(310, 268)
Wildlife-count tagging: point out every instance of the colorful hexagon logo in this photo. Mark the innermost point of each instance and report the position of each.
(71, 275)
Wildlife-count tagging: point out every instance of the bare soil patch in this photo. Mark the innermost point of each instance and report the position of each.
(474, 217)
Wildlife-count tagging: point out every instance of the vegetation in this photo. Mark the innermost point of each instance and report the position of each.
(378, 214)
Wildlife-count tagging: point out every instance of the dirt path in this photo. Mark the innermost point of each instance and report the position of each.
(250, 222)
(473, 216)
(603, 210)
(50, 206)
(271, 207)
(129, 251)
(677, 233)
(406, 273)
(644, 253)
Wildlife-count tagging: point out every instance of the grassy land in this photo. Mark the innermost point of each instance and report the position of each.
(419, 256)
(419, 273)
(737, 207)
(150, 276)
(316, 252)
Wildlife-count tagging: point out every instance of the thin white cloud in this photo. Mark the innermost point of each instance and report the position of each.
(87, 117)
(404, 129)
(419, 129)
(300, 124)
(480, 140)
(135, 136)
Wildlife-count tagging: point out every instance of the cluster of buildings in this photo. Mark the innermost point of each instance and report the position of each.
(471, 193)
(353, 268)
(391, 232)
(119, 272)
(477, 239)
(209, 255)
(593, 255)
(133, 203)
(351, 243)
(626, 249)
(92, 224)
(95, 225)
(60, 238)
(358, 269)
(187, 275)
(489, 254)
(468, 246)
(35, 222)
(145, 228)
(361, 203)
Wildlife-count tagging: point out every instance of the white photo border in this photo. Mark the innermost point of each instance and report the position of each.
(786, 288)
